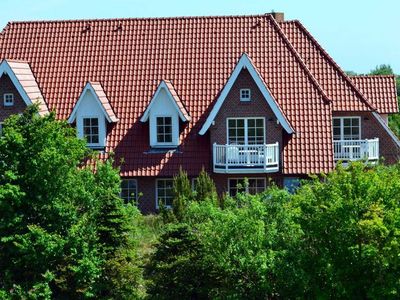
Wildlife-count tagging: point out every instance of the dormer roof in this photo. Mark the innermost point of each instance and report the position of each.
(98, 92)
(173, 96)
(24, 81)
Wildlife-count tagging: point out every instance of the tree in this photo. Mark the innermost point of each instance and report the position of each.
(351, 233)
(382, 70)
(205, 188)
(49, 202)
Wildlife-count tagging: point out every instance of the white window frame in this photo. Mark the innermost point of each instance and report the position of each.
(172, 131)
(342, 126)
(242, 96)
(92, 145)
(243, 178)
(156, 187)
(246, 135)
(135, 197)
(5, 102)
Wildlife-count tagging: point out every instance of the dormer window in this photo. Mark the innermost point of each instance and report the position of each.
(164, 130)
(91, 114)
(245, 95)
(91, 130)
(163, 114)
(8, 99)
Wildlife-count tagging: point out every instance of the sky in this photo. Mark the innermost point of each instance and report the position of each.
(358, 34)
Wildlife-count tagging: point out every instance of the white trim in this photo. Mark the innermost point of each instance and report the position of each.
(88, 87)
(387, 129)
(248, 178)
(245, 127)
(5, 103)
(156, 192)
(5, 69)
(245, 62)
(174, 131)
(161, 86)
(99, 132)
(341, 118)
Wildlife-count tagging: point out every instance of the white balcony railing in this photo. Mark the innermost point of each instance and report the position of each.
(246, 158)
(350, 150)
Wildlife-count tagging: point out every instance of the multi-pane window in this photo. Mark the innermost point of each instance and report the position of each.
(91, 130)
(246, 131)
(129, 190)
(164, 192)
(245, 95)
(8, 99)
(164, 129)
(248, 185)
(346, 128)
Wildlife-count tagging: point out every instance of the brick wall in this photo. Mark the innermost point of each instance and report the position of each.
(371, 128)
(6, 86)
(233, 108)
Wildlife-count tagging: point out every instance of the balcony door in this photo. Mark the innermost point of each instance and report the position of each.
(346, 128)
(246, 131)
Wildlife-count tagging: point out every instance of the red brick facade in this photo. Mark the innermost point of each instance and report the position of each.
(6, 86)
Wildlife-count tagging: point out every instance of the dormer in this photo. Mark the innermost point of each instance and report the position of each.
(163, 113)
(92, 112)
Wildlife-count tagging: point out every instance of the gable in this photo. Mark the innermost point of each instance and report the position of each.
(245, 63)
(7, 86)
(24, 81)
(93, 101)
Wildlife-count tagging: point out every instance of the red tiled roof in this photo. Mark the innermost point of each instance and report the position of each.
(131, 56)
(337, 85)
(25, 77)
(98, 89)
(380, 90)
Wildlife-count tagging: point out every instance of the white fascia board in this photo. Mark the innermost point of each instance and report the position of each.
(6, 69)
(245, 62)
(387, 129)
(161, 86)
(88, 87)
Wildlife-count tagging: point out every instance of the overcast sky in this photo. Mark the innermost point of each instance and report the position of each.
(358, 34)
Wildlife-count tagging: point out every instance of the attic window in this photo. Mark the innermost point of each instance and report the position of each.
(8, 99)
(245, 95)
(91, 130)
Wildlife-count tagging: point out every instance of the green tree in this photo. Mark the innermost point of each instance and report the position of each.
(49, 202)
(382, 70)
(205, 188)
(351, 233)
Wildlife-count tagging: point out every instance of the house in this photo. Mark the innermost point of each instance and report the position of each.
(242, 96)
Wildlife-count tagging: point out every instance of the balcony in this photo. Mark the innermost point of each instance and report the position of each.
(236, 159)
(351, 150)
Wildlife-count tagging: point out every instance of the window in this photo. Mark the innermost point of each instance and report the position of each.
(164, 192)
(246, 131)
(245, 95)
(129, 190)
(248, 185)
(291, 184)
(346, 128)
(91, 130)
(164, 129)
(8, 99)
(1, 129)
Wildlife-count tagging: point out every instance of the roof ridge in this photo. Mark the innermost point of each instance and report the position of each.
(299, 59)
(334, 64)
(373, 75)
(136, 18)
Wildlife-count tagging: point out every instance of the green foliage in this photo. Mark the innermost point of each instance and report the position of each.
(205, 188)
(351, 233)
(182, 194)
(382, 70)
(178, 269)
(54, 239)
